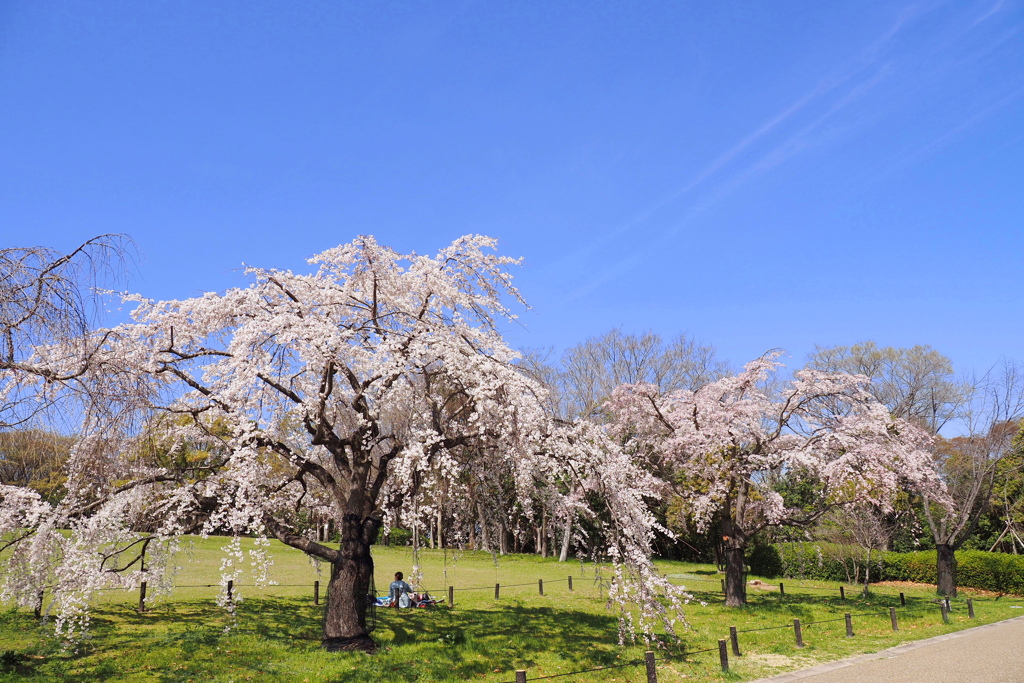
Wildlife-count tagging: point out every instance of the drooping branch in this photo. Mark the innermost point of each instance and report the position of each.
(286, 536)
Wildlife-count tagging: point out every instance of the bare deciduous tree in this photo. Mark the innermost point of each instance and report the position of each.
(969, 464)
(592, 370)
(916, 384)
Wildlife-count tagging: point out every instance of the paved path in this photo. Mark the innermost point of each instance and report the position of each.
(993, 653)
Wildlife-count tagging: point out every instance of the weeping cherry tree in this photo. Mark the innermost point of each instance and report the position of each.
(345, 393)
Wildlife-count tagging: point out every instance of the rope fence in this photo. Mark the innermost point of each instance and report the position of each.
(495, 587)
(650, 660)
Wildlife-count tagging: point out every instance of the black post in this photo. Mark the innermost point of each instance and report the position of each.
(723, 654)
(949, 608)
(798, 633)
(540, 586)
(970, 608)
(945, 612)
(892, 618)
(570, 582)
(735, 638)
(38, 611)
(142, 597)
(451, 596)
(231, 588)
(782, 589)
(316, 592)
(497, 590)
(903, 600)
(723, 585)
(520, 676)
(849, 625)
(842, 593)
(652, 673)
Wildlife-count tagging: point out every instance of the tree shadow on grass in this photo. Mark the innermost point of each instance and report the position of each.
(274, 638)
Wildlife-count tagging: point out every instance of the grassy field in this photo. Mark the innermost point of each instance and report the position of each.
(277, 632)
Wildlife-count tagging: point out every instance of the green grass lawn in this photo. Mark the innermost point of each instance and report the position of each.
(277, 632)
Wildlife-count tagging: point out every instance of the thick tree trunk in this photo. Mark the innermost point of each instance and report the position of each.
(735, 575)
(734, 543)
(946, 566)
(345, 626)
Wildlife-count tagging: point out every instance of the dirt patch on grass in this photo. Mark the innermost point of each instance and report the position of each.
(775, 661)
(757, 584)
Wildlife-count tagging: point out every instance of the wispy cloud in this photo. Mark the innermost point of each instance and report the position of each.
(776, 141)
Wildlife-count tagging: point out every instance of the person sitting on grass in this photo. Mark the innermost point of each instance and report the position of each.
(400, 592)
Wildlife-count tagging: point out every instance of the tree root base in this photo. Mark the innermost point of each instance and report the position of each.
(363, 643)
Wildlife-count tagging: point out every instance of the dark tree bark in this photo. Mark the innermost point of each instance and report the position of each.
(734, 544)
(345, 626)
(735, 576)
(946, 566)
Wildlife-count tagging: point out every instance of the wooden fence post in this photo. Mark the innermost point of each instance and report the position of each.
(723, 585)
(842, 593)
(652, 672)
(540, 586)
(520, 676)
(723, 654)
(497, 590)
(142, 597)
(903, 600)
(798, 633)
(970, 608)
(570, 582)
(38, 610)
(892, 618)
(316, 592)
(231, 589)
(735, 638)
(451, 596)
(782, 589)
(849, 625)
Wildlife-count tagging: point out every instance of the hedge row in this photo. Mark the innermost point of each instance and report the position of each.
(997, 572)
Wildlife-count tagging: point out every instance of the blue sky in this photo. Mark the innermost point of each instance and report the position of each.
(757, 174)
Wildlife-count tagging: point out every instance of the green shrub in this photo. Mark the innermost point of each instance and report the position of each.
(764, 560)
(918, 567)
(827, 561)
(398, 537)
(996, 572)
